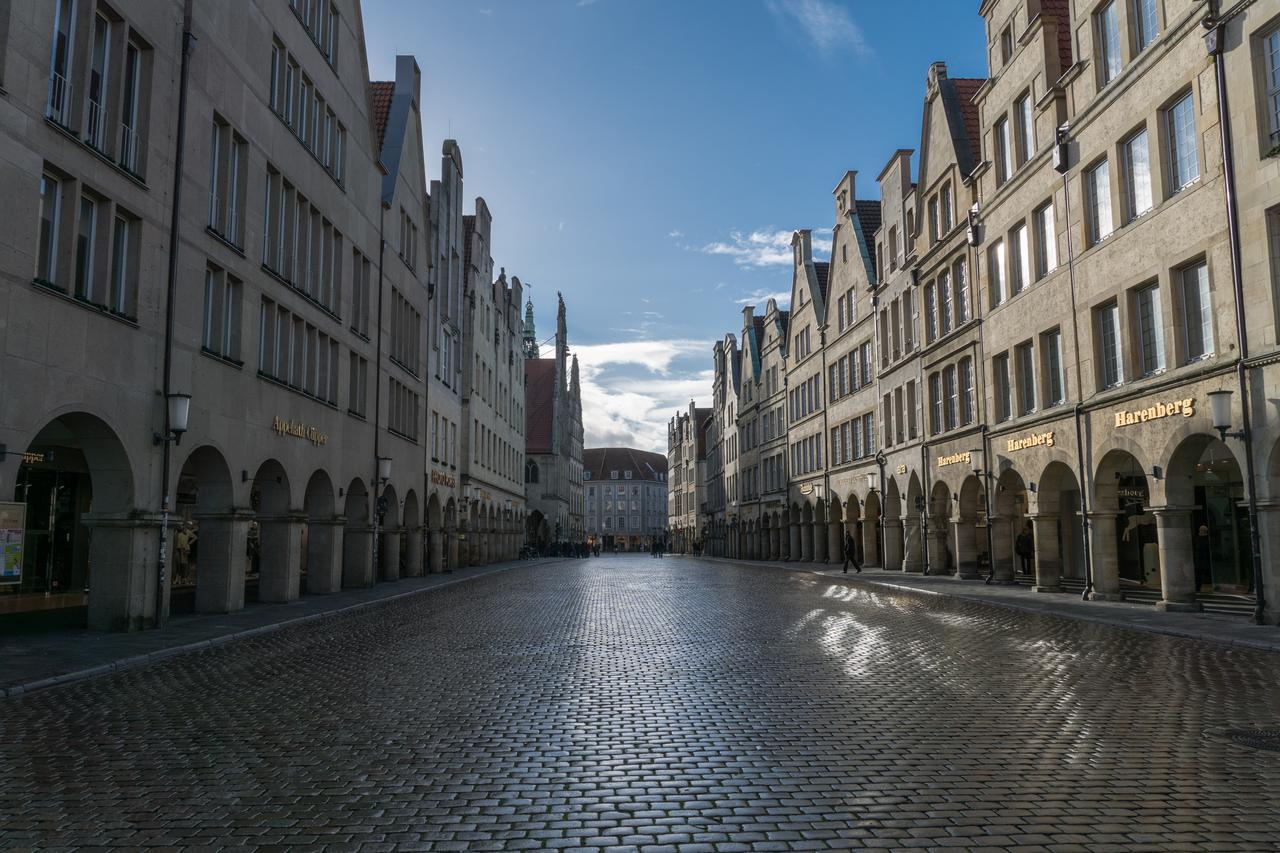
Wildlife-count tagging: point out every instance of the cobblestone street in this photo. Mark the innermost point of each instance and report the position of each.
(675, 705)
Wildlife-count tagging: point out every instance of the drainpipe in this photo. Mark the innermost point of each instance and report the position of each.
(1062, 164)
(377, 393)
(188, 42)
(989, 481)
(1214, 41)
(924, 514)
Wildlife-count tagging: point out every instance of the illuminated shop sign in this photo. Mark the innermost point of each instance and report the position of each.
(953, 459)
(440, 478)
(1186, 408)
(1039, 439)
(298, 429)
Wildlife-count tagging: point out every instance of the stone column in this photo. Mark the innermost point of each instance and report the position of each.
(893, 544)
(451, 542)
(280, 556)
(388, 554)
(413, 559)
(221, 542)
(122, 553)
(357, 557)
(1177, 567)
(793, 541)
(820, 541)
(913, 540)
(435, 551)
(1002, 531)
(870, 548)
(1048, 561)
(965, 546)
(1106, 565)
(324, 550)
(806, 542)
(835, 542)
(1269, 533)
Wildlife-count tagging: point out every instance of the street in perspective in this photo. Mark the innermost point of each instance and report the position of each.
(640, 426)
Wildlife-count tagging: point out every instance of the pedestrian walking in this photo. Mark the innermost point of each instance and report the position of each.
(1201, 553)
(1026, 548)
(850, 554)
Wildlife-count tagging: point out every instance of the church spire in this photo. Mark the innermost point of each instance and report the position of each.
(530, 336)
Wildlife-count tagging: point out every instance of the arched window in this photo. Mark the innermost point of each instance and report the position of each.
(531, 471)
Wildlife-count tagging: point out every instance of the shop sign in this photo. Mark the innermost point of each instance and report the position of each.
(953, 459)
(901, 469)
(1039, 439)
(1186, 408)
(440, 478)
(298, 429)
(806, 489)
(13, 523)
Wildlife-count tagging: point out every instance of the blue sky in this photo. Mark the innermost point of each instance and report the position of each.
(647, 158)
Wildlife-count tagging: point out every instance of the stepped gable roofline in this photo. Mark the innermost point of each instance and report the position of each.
(893, 159)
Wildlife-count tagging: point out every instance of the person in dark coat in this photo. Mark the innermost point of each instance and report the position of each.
(1026, 548)
(850, 554)
(1201, 553)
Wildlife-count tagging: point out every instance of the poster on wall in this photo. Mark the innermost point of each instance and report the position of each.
(13, 519)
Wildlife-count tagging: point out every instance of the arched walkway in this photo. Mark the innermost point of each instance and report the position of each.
(323, 537)
(894, 544)
(871, 529)
(943, 559)
(1124, 539)
(969, 534)
(211, 543)
(275, 537)
(435, 534)
(1008, 523)
(411, 537)
(1057, 528)
(357, 538)
(388, 535)
(913, 527)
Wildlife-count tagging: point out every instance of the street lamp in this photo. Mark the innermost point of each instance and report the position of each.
(177, 415)
(1220, 413)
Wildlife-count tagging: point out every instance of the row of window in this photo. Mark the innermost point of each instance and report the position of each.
(946, 302)
(806, 398)
(88, 245)
(298, 102)
(850, 372)
(806, 455)
(293, 351)
(654, 521)
(775, 473)
(406, 333)
(489, 450)
(898, 418)
(402, 409)
(444, 440)
(951, 397)
(111, 112)
(320, 19)
(897, 328)
(1017, 259)
(854, 439)
(1144, 28)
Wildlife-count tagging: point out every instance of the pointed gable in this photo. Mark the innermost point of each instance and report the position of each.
(380, 92)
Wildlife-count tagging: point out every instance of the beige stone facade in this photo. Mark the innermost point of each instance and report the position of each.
(1053, 301)
(315, 310)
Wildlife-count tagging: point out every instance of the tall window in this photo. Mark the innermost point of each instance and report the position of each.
(1046, 241)
(1002, 389)
(1020, 248)
(124, 264)
(221, 333)
(1145, 25)
(1097, 182)
(1026, 378)
(1137, 175)
(1026, 128)
(59, 108)
(960, 291)
(996, 272)
(952, 392)
(50, 207)
(1197, 315)
(1150, 329)
(1107, 322)
(966, 391)
(935, 403)
(1000, 138)
(945, 205)
(86, 244)
(130, 109)
(1051, 356)
(1184, 161)
(1107, 24)
(944, 302)
(1271, 56)
(99, 63)
(930, 313)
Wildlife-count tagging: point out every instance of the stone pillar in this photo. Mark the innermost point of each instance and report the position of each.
(893, 544)
(451, 542)
(221, 542)
(820, 552)
(965, 546)
(122, 553)
(435, 551)
(1177, 566)
(1002, 533)
(357, 557)
(280, 556)
(835, 542)
(1048, 559)
(793, 541)
(806, 541)
(413, 559)
(389, 554)
(324, 549)
(913, 542)
(1106, 565)
(1269, 534)
(870, 546)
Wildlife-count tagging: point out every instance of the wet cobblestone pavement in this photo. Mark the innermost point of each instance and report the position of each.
(663, 705)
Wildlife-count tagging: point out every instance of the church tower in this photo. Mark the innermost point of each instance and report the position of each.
(530, 336)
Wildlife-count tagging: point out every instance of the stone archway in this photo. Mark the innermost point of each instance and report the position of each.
(1007, 524)
(435, 534)
(853, 525)
(1058, 532)
(275, 537)
(322, 542)
(913, 557)
(969, 529)
(388, 508)
(357, 538)
(835, 531)
(1124, 539)
(411, 537)
(1204, 533)
(793, 533)
(806, 532)
(871, 529)
(894, 544)
(211, 540)
(450, 528)
(943, 559)
(85, 546)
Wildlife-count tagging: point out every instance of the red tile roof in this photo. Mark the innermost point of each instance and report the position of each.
(380, 92)
(1060, 10)
(599, 461)
(823, 269)
(539, 403)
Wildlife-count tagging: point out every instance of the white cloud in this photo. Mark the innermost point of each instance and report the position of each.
(760, 298)
(675, 233)
(630, 389)
(766, 247)
(826, 23)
